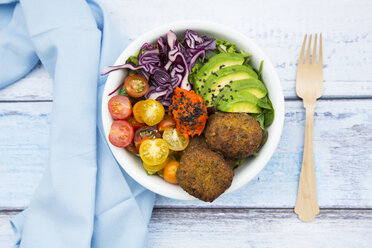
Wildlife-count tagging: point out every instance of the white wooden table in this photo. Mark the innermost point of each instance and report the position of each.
(261, 213)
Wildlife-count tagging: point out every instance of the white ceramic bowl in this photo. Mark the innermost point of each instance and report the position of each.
(132, 164)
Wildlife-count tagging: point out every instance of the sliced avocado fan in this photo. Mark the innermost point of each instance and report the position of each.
(251, 85)
(216, 63)
(219, 79)
(239, 102)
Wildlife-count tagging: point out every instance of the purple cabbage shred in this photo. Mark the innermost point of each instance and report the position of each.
(168, 63)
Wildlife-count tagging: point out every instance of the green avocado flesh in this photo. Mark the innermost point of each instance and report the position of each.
(239, 102)
(216, 63)
(252, 85)
(218, 80)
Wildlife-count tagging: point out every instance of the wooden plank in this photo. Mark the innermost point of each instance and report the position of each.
(274, 26)
(36, 86)
(343, 142)
(246, 228)
(6, 232)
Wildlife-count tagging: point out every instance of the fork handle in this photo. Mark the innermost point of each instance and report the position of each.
(307, 204)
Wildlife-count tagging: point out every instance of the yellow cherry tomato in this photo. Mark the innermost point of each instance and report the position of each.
(152, 112)
(175, 140)
(137, 112)
(154, 151)
(155, 168)
(170, 171)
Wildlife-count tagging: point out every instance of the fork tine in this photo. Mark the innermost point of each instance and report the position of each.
(307, 59)
(301, 59)
(320, 50)
(313, 57)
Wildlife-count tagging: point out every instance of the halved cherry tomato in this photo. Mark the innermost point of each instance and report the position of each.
(136, 125)
(155, 168)
(167, 121)
(121, 133)
(154, 151)
(120, 107)
(132, 148)
(136, 85)
(137, 111)
(145, 133)
(170, 171)
(175, 140)
(152, 112)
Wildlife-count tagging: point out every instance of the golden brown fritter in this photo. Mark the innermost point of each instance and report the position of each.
(204, 173)
(235, 135)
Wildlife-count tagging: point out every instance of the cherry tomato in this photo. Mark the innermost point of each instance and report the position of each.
(154, 151)
(136, 85)
(170, 171)
(152, 112)
(120, 107)
(175, 140)
(145, 133)
(121, 133)
(155, 168)
(136, 125)
(137, 112)
(132, 148)
(167, 121)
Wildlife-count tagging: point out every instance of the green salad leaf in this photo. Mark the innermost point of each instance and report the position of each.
(239, 162)
(195, 70)
(225, 46)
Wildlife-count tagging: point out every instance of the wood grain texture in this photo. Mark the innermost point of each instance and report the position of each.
(246, 228)
(273, 25)
(342, 138)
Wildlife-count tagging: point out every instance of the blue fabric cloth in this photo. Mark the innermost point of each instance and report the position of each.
(84, 198)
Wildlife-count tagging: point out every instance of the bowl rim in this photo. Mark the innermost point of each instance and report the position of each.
(256, 165)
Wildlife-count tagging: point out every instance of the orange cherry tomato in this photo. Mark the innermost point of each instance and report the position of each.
(136, 85)
(120, 107)
(170, 171)
(137, 112)
(167, 121)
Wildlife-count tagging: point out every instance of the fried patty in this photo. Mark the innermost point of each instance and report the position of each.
(203, 173)
(235, 135)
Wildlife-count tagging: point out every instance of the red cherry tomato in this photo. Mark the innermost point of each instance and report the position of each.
(121, 133)
(136, 125)
(132, 148)
(145, 133)
(167, 121)
(136, 85)
(120, 107)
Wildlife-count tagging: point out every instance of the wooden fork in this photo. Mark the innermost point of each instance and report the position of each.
(309, 87)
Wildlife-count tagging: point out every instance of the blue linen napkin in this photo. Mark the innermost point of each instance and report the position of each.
(84, 199)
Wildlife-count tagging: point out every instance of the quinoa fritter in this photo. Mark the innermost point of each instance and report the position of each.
(235, 135)
(203, 173)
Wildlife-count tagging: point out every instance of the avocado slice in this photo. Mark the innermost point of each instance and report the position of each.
(242, 101)
(251, 85)
(215, 63)
(218, 80)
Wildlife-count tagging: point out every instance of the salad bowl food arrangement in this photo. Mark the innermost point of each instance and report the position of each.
(192, 109)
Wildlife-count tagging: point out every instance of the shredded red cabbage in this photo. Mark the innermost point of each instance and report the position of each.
(168, 63)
